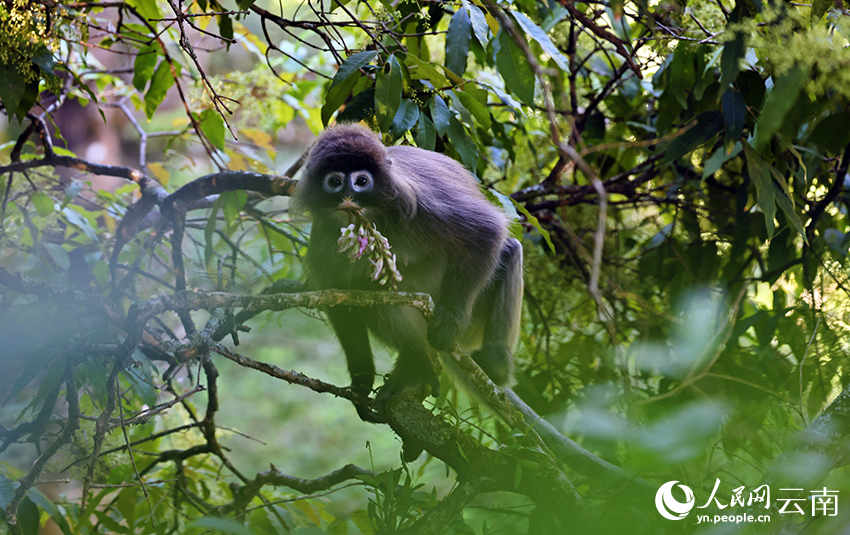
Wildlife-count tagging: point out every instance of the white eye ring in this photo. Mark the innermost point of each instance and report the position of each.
(333, 182)
(361, 181)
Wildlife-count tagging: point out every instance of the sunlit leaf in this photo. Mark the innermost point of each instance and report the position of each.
(161, 82)
(405, 118)
(779, 102)
(351, 65)
(426, 133)
(515, 70)
(536, 33)
(707, 125)
(440, 114)
(388, 88)
(457, 41)
(212, 125)
(760, 176)
(734, 111)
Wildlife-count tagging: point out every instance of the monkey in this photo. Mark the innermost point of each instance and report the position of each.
(449, 241)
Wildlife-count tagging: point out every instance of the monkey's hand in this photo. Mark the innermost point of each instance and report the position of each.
(444, 327)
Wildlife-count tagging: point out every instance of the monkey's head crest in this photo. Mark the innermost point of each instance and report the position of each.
(348, 169)
(347, 148)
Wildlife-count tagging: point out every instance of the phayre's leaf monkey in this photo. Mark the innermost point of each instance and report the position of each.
(449, 241)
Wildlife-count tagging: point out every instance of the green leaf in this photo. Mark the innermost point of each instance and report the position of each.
(27, 375)
(143, 66)
(534, 222)
(212, 125)
(11, 87)
(232, 203)
(783, 200)
(28, 99)
(760, 176)
(352, 65)
(779, 102)
(479, 23)
(223, 525)
(388, 89)
(457, 41)
(734, 112)
(730, 60)
(126, 504)
(83, 224)
(109, 523)
(832, 133)
(360, 107)
(426, 134)
(542, 39)
(819, 7)
(225, 26)
(708, 124)
(682, 75)
(463, 144)
(44, 60)
(514, 68)
(7, 492)
(59, 255)
(478, 110)
(55, 376)
(160, 84)
(440, 114)
(337, 94)
(425, 71)
(43, 204)
(405, 118)
(146, 8)
(28, 517)
(716, 161)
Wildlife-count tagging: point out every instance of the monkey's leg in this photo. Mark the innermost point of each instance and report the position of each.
(350, 327)
(404, 329)
(412, 369)
(500, 307)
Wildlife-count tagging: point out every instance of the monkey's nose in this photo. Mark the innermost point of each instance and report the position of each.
(348, 205)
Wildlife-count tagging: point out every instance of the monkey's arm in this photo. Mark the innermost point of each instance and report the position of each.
(350, 328)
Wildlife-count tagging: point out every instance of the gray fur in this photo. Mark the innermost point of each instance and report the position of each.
(449, 241)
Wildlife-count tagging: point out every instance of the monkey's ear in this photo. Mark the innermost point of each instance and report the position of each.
(403, 193)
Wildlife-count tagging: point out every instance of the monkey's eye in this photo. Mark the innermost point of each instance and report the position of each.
(333, 182)
(361, 181)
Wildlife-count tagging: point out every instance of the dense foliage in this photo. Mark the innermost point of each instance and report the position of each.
(678, 174)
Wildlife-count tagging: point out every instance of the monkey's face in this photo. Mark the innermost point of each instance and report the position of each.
(348, 190)
(349, 170)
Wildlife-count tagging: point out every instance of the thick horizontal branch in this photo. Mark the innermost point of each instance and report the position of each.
(190, 300)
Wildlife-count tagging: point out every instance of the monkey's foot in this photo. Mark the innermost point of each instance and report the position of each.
(496, 361)
(368, 415)
(398, 382)
(444, 328)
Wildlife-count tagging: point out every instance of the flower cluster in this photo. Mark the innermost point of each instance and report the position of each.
(362, 238)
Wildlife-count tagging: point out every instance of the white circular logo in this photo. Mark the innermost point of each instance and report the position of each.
(668, 506)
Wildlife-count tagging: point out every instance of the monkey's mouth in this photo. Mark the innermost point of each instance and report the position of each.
(348, 205)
